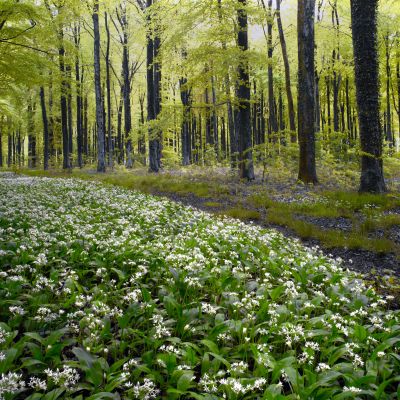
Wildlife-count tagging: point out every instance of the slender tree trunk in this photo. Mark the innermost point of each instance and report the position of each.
(389, 131)
(185, 141)
(108, 87)
(328, 103)
(157, 87)
(127, 90)
(79, 133)
(317, 104)
(46, 147)
(120, 139)
(142, 138)
(31, 137)
(214, 117)
(10, 150)
(271, 96)
(365, 44)
(306, 92)
(246, 167)
(151, 112)
(348, 110)
(63, 102)
(101, 162)
(292, 116)
(69, 115)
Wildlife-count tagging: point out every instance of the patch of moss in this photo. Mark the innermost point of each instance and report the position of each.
(242, 213)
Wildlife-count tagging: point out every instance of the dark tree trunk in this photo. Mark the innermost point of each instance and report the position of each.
(317, 104)
(10, 150)
(63, 103)
(154, 144)
(31, 137)
(85, 127)
(52, 150)
(292, 116)
(46, 147)
(101, 162)
(306, 92)
(185, 141)
(108, 87)
(336, 87)
(157, 87)
(328, 103)
(69, 114)
(365, 43)
(127, 90)
(271, 97)
(214, 117)
(348, 110)
(142, 137)
(120, 140)
(79, 125)
(389, 131)
(246, 167)
(209, 135)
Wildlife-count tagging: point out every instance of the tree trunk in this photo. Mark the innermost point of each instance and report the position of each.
(246, 167)
(306, 92)
(127, 90)
(108, 87)
(120, 139)
(289, 95)
(142, 137)
(10, 150)
(271, 96)
(389, 131)
(31, 137)
(101, 162)
(151, 112)
(63, 103)
(46, 149)
(157, 87)
(79, 133)
(365, 44)
(317, 104)
(185, 141)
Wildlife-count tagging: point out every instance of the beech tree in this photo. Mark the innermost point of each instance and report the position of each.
(365, 42)
(246, 167)
(101, 159)
(306, 91)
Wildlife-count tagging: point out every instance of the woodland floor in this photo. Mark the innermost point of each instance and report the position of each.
(363, 230)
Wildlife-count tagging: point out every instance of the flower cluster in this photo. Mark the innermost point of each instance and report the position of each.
(109, 292)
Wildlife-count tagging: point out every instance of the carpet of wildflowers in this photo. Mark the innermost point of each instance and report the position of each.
(107, 293)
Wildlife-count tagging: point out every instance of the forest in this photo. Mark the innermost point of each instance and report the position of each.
(199, 199)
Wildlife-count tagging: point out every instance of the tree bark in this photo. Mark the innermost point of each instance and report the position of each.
(108, 87)
(63, 102)
(246, 166)
(271, 96)
(31, 137)
(365, 44)
(46, 142)
(185, 130)
(288, 84)
(151, 100)
(306, 92)
(101, 162)
(79, 125)
(389, 131)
